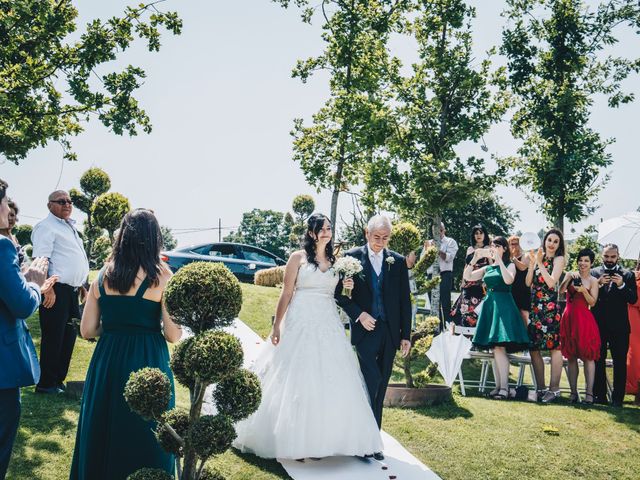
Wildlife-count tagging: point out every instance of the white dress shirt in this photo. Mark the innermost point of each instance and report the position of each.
(449, 247)
(58, 240)
(376, 259)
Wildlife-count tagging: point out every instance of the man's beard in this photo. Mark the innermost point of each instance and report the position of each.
(611, 265)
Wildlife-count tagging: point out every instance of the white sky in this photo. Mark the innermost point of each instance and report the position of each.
(222, 103)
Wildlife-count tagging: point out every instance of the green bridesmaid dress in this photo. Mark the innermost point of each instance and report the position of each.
(500, 323)
(112, 441)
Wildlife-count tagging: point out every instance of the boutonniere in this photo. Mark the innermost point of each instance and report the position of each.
(390, 261)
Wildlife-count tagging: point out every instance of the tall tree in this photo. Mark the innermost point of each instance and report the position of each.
(346, 132)
(448, 100)
(265, 229)
(556, 68)
(48, 87)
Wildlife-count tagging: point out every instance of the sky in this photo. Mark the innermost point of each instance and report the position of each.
(222, 103)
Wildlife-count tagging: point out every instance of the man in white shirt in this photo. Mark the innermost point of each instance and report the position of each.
(57, 239)
(446, 254)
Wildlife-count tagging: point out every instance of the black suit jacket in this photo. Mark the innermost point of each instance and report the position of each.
(395, 291)
(611, 309)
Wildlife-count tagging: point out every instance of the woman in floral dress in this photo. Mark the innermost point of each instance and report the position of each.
(472, 292)
(543, 275)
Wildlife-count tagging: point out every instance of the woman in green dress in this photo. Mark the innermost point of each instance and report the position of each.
(499, 325)
(124, 308)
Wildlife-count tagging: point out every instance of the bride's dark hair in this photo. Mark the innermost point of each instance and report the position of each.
(315, 224)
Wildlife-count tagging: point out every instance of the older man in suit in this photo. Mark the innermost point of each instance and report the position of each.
(19, 298)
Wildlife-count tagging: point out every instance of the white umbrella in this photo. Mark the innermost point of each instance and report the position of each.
(447, 351)
(624, 231)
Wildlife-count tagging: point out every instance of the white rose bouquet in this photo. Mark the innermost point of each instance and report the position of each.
(347, 267)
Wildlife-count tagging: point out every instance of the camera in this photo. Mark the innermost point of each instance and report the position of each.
(577, 282)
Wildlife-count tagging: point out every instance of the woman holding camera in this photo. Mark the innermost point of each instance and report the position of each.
(500, 326)
(579, 334)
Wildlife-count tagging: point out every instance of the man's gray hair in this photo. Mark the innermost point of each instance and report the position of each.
(56, 194)
(378, 222)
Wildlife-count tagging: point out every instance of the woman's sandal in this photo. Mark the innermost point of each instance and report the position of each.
(493, 393)
(503, 394)
(573, 398)
(540, 393)
(588, 399)
(550, 396)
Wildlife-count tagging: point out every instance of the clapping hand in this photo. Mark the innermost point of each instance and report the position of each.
(48, 292)
(496, 252)
(540, 256)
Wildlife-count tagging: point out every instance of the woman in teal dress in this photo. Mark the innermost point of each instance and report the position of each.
(124, 308)
(499, 325)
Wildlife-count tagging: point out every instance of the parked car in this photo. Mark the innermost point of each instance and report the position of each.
(243, 260)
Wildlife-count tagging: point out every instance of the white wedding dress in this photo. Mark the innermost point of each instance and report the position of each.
(314, 403)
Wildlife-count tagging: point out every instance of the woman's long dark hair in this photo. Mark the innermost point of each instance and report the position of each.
(479, 228)
(138, 245)
(506, 254)
(560, 250)
(314, 225)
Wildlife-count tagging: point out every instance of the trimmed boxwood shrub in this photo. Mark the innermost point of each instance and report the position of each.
(185, 376)
(213, 355)
(211, 435)
(148, 392)
(405, 238)
(179, 421)
(238, 395)
(203, 295)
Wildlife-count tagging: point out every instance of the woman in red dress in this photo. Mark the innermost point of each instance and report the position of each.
(579, 334)
(633, 357)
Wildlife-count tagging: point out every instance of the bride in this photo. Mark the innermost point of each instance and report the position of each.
(314, 403)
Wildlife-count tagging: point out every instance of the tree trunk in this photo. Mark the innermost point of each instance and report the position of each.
(190, 460)
(435, 293)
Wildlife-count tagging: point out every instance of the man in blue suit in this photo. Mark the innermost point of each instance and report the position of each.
(19, 298)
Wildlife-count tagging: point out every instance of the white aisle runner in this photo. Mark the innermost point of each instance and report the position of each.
(399, 464)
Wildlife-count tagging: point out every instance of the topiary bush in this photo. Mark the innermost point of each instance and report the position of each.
(238, 395)
(108, 210)
(269, 277)
(405, 238)
(421, 340)
(23, 233)
(95, 182)
(150, 474)
(203, 295)
(148, 392)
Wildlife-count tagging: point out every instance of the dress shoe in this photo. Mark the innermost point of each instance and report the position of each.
(616, 404)
(600, 400)
(50, 390)
(62, 387)
(378, 456)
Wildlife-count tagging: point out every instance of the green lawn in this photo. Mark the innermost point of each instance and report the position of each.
(469, 438)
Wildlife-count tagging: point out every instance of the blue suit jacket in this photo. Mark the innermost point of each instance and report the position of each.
(18, 300)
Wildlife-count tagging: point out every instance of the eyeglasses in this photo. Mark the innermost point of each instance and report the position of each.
(62, 202)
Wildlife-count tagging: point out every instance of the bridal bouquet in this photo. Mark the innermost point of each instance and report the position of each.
(347, 267)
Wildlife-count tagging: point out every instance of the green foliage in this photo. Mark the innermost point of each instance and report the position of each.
(352, 124)
(203, 295)
(102, 248)
(588, 239)
(185, 376)
(213, 356)
(22, 233)
(211, 474)
(405, 238)
(557, 67)
(426, 260)
(211, 435)
(303, 206)
(148, 392)
(421, 340)
(451, 98)
(265, 229)
(108, 210)
(179, 421)
(238, 395)
(80, 201)
(150, 474)
(168, 240)
(94, 182)
(48, 85)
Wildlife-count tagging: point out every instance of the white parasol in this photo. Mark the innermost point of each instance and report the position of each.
(447, 351)
(624, 231)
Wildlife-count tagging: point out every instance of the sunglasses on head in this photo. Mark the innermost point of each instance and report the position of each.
(62, 202)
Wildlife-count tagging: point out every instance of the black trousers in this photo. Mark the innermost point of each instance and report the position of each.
(375, 354)
(9, 419)
(618, 345)
(446, 285)
(58, 336)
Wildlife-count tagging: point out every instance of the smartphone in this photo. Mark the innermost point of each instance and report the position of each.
(610, 271)
(484, 252)
(577, 282)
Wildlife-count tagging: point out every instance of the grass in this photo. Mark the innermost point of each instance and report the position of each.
(468, 438)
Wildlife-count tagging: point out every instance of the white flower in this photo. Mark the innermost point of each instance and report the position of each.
(390, 260)
(347, 266)
(544, 329)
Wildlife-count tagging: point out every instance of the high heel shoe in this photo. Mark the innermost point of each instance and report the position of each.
(573, 398)
(588, 399)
